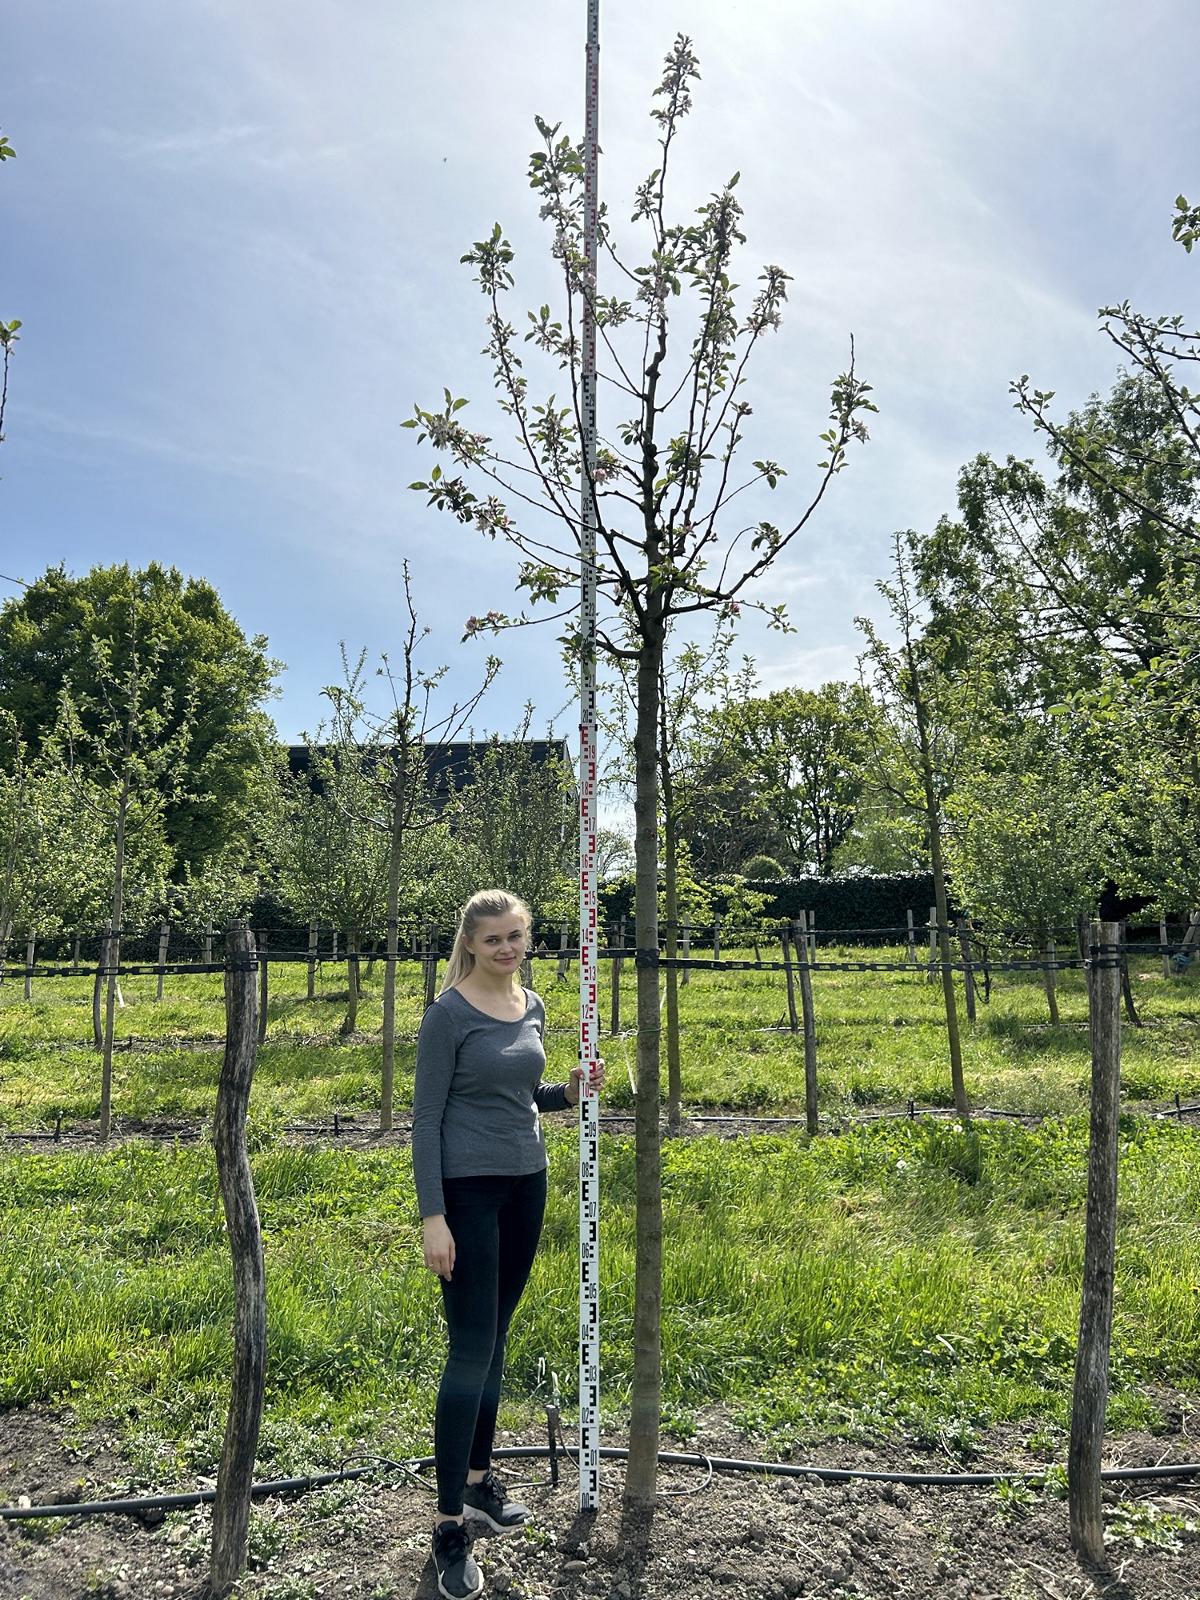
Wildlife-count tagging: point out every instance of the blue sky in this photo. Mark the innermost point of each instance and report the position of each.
(233, 228)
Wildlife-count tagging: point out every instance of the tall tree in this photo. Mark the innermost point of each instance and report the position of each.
(48, 638)
(659, 492)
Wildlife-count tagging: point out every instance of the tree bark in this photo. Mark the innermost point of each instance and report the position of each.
(231, 1510)
(30, 952)
(351, 1020)
(164, 941)
(113, 945)
(1050, 979)
(671, 878)
(1090, 1402)
(641, 1476)
(964, 944)
(312, 961)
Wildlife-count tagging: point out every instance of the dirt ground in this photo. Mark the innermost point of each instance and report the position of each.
(739, 1536)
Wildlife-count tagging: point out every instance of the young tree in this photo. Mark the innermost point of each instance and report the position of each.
(329, 859)
(514, 824)
(918, 742)
(8, 330)
(659, 497)
(126, 752)
(390, 750)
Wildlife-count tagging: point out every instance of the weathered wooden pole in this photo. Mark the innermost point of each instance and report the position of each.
(164, 940)
(911, 956)
(801, 951)
(231, 1510)
(208, 941)
(312, 960)
(262, 987)
(931, 973)
(75, 953)
(1050, 974)
(964, 942)
(431, 967)
(564, 965)
(1090, 1403)
(810, 1033)
(686, 942)
(30, 952)
(1163, 943)
(98, 989)
(614, 1025)
(717, 936)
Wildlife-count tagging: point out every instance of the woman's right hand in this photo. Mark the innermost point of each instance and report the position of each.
(439, 1247)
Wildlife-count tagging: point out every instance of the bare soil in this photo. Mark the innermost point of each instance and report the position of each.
(737, 1535)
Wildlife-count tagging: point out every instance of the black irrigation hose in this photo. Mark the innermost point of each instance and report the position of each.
(782, 1469)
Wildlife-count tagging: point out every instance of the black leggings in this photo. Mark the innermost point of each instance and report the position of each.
(495, 1223)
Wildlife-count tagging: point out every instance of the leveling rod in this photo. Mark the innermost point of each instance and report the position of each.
(589, 1026)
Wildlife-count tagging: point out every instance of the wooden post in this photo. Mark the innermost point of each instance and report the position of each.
(931, 974)
(262, 986)
(687, 949)
(716, 936)
(911, 957)
(964, 940)
(614, 1026)
(801, 951)
(75, 954)
(164, 940)
(431, 966)
(30, 952)
(564, 966)
(235, 1476)
(811, 923)
(1090, 1403)
(208, 942)
(810, 1037)
(333, 952)
(1163, 942)
(312, 960)
(1051, 977)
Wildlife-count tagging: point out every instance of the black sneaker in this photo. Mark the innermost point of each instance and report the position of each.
(487, 1502)
(458, 1576)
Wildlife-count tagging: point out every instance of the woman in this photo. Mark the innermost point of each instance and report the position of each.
(479, 1163)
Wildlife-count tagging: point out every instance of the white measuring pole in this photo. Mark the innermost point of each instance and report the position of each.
(589, 1021)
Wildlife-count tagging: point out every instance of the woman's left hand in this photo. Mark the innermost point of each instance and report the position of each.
(575, 1082)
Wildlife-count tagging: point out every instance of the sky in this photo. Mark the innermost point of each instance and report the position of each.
(233, 228)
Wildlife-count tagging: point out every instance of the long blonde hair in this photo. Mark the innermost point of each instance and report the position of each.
(484, 903)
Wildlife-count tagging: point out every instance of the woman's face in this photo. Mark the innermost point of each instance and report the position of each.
(498, 943)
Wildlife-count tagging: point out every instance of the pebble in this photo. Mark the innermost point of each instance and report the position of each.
(574, 1566)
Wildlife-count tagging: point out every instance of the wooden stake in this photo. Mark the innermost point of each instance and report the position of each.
(262, 987)
(164, 940)
(312, 960)
(564, 966)
(687, 949)
(231, 1509)
(716, 937)
(801, 944)
(30, 952)
(931, 975)
(1051, 976)
(1164, 942)
(810, 1039)
(1126, 985)
(912, 938)
(964, 941)
(614, 1026)
(1090, 1403)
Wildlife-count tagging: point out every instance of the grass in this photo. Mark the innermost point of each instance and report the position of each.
(899, 1275)
(881, 1041)
(905, 1275)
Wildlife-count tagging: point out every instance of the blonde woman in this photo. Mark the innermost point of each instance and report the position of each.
(479, 1164)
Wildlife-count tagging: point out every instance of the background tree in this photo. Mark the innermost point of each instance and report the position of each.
(126, 751)
(660, 489)
(927, 716)
(1030, 832)
(800, 756)
(8, 330)
(515, 825)
(390, 750)
(329, 860)
(205, 663)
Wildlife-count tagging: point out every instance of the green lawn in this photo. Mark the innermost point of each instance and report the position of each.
(900, 1275)
(881, 1041)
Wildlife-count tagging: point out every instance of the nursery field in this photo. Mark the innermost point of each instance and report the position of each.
(898, 1285)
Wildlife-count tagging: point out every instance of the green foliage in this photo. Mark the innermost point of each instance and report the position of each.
(204, 672)
(762, 867)
(1032, 830)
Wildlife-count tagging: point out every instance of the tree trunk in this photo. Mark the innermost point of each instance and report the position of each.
(811, 1119)
(231, 1510)
(641, 1477)
(395, 847)
(964, 943)
(1090, 1403)
(351, 1020)
(933, 812)
(30, 952)
(312, 961)
(98, 989)
(1050, 978)
(164, 940)
(1126, 985)
(113, 947)
(618, 962)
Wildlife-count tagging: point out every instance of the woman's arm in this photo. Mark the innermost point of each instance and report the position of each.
(436, 1045)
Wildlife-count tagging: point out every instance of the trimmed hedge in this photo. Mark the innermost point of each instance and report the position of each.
(851, 901)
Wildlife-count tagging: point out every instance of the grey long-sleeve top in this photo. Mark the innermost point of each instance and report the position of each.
(478, 1095)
